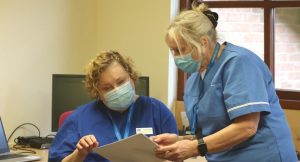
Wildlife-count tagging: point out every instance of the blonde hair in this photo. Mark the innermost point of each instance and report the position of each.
(99, 64)
(190, 25)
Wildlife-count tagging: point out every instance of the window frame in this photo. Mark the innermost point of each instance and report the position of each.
(289, 99)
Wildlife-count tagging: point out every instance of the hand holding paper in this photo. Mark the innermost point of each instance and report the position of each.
(136, 148)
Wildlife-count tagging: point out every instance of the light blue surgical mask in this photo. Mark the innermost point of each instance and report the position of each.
(120, 98)
(186, 63)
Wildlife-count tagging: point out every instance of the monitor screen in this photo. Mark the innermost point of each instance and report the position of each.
(68, 92)
(142, 86)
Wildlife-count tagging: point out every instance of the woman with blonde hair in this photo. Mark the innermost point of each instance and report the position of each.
(116, 113)
(230, 99)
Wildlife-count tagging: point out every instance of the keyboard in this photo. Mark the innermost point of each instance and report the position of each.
(10, 156)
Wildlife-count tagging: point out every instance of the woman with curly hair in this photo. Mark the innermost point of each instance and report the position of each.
(116, 113)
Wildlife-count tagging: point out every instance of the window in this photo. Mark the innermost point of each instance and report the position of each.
(243, 27)
(287, 48)
(273, 33)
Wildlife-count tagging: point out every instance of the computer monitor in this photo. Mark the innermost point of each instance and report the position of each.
(68, 92)
(142, 86)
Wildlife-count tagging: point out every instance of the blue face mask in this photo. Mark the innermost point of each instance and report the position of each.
(120, 98)
(186, 63)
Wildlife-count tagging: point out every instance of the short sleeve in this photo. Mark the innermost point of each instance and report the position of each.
(244, 84)
(65, 140)
(167, 120)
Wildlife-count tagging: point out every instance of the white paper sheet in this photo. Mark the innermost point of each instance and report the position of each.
(136, 148)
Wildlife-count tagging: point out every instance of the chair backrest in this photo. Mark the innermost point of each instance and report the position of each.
(62, 117)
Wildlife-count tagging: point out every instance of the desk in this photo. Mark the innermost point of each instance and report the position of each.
(41, 153)
(198, 159)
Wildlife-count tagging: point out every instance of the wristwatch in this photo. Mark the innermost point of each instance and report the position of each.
(202, 149)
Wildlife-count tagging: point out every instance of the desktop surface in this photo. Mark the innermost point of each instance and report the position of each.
(43, 153)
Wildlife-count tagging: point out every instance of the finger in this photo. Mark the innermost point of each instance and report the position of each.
(164, 138)
(79, 147)
(88, 140)
(94, 140)
(167, 156)
(165, 148)
(95, 144)
(172, 156)
(160, 137)
(83, 143)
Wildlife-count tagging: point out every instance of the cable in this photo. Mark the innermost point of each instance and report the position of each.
(24, 149)
(21, 126)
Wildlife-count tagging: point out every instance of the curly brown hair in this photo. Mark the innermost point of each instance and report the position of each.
(99, 65)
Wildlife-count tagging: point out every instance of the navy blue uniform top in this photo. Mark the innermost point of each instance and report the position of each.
(240, 83)
(92, 118)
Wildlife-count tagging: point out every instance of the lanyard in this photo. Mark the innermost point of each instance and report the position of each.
(194, 125)
(128, 123)
(213, 58)
(211, 63)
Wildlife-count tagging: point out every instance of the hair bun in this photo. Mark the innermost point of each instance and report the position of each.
(212, 16)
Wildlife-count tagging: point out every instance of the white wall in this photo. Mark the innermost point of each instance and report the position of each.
(42, 37)
(39, 38)
(136, 28)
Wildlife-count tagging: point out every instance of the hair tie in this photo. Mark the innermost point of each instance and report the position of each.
(212, 16)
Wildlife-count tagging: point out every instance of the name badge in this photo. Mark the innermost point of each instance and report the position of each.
(145, 131)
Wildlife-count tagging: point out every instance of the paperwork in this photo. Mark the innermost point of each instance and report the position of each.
(136, 148)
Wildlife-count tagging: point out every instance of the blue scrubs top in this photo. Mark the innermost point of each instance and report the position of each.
(240, 83)
(92, 118)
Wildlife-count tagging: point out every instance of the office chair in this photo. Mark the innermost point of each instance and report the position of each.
(62, 117)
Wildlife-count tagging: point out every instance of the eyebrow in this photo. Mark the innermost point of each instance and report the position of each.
(108, 84)
(105, 85)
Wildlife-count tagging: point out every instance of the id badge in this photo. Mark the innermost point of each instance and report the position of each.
(145, 131)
